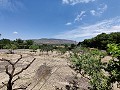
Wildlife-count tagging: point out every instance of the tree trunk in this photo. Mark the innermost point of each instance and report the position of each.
(9, 84)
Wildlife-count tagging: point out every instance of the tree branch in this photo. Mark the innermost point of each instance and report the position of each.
(7, 61)
(13, 65)
(15, 80)
(20, 88)
(24, 68)
(11, 74)
(18, 59)
(4, 84)
(6, 70)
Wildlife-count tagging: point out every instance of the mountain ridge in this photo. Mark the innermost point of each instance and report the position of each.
(53, 41)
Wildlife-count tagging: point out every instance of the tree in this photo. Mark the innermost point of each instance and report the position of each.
(101, 40)
(113, 67)
(88, 64)
(61, 50)
(11, 48)
(29, 42)
(72, 46)
(5, 41)
(12, 74)
(34, 48)
(114, 50)
(46, 48)
(19, 41)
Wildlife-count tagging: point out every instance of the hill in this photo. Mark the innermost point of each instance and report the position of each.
(101, 40)
(53, 41)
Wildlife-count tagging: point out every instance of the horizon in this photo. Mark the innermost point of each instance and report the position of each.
(39, 39)
(58, 19)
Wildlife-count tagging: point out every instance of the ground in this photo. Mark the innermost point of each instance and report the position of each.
(45, 73)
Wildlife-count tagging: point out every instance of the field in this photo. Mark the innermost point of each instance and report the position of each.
(47, 72)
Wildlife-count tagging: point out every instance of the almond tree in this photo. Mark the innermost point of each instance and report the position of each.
(12, 74)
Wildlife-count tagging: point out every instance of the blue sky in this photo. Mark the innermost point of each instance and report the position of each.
(63, 19)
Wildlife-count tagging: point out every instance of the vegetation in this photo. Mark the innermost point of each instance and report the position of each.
(34, 48)
(113, 67)
(101, 40)
(89, 65)
(85, 57)
(12, 74)
(21, 44)
(10, 47)
(114, 50)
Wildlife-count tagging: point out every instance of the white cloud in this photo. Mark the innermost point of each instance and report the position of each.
(15, 32)
(11, 5)
(80, 16)
(69, 23)
(65, 1)
(100, 10)
(83, 32)
(93, 12)
(73, 2)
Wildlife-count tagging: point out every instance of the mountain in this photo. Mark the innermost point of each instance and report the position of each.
(53, 41)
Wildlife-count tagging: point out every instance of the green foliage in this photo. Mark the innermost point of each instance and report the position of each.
(101, 40)
(5, 41)
(72, 46)
(62, 50)
(46, 48)
(21, 44)
(114, 50)
(13, 47)
(29, 42)
(6, 46)
(34, 47)
(89, 63)
(79, 49)
(113, 67)
(19, 41)
(10, 46)
(114, 71)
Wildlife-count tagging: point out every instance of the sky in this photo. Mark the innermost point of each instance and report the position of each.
(62, 19)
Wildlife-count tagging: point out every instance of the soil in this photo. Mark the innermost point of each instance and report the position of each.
(45, 73)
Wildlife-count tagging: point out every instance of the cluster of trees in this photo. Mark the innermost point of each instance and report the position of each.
(88, 64)
(29, 44)
(60, 48)
(101, 40)
(113, 67)
(101, 75)
(18, 43)
(87, 61)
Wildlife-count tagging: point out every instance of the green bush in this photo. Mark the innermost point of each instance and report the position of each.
(89, 63)
(34, 47)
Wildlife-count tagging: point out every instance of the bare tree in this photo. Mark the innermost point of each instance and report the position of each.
(12, 74)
